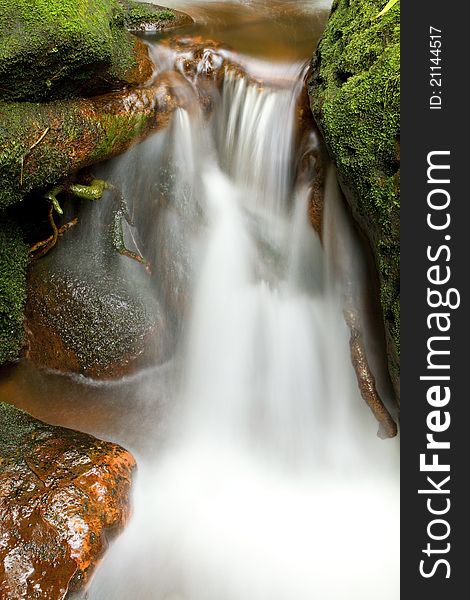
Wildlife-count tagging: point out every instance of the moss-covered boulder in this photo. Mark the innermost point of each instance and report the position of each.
(143, 16)
(42, 143)
(355, 98)
(13, 262)
(53, 49)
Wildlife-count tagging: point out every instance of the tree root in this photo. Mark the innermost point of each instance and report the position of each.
(41, 248)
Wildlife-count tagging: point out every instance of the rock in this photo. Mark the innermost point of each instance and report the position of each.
(312, 160)
(202, 61)
(142, 16)
(355, 98)
(64, 48)
(62, 495)
(42, 143)
(86, 317)
(13, 262)
(366, 379)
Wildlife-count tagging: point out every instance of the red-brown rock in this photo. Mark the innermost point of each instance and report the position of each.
(62, 493)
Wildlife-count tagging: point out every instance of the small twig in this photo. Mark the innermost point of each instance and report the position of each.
(38, 141)
(137, 258)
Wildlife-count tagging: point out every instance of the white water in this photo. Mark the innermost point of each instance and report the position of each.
(269, 483)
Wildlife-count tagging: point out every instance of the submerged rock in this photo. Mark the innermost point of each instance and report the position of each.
(62, 495)
(365, 377)
(355, 97)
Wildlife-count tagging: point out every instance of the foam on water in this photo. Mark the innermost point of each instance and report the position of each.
(270, 483)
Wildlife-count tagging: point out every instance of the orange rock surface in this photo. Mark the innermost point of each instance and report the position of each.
(62, 494)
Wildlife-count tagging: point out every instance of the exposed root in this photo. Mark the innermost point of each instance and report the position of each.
(93, 191)
(43, 247)
(51, 195)
(134, 256)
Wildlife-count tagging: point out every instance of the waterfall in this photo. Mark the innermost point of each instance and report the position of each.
(268, 483)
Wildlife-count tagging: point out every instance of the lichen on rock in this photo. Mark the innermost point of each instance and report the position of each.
(354, 90)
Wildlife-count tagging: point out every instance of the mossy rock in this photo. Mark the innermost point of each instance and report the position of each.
(142, 16)
(53, 49)
(41, 143)
(76, 133)
(13, 263)
(354, 91)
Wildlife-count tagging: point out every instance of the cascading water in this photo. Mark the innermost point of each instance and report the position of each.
(268, 482)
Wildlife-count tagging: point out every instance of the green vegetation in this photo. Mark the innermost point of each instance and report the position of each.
(141, 15)
(60, 48)
(13, 263)
(53, 55)
(79, 133)
(21, 124)
(355, 98)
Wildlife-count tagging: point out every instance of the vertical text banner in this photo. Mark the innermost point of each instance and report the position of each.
(435, 275)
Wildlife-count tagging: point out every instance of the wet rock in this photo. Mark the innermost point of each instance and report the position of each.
(366, 379)
(86, 318)
(355, 98)
(203, 60)
(312, 160)
(62, 495)
(77, 133)
(196, 57)
(142, 16)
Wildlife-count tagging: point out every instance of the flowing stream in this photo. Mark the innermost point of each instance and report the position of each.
(260, 475)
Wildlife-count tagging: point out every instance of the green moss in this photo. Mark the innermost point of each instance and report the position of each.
(355, 98)
(140, 16)
(13, 262)
(15, 425)
(79, 135)
(58, 48)
(20, 126)
(124, 128)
